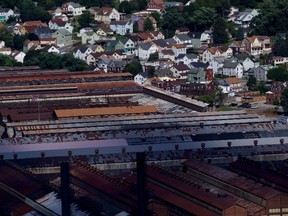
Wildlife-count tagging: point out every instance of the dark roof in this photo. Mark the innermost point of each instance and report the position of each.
(181, 67)
(183, 37)
(230, 64)
(199, 65)
(221, 82)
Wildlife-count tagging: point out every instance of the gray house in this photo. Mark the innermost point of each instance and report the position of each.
(43, 32)
(63, 37)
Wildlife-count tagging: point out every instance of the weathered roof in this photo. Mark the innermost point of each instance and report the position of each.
(67, 113)
(230, 64)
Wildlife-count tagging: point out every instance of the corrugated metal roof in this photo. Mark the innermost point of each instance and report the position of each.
(105, 111)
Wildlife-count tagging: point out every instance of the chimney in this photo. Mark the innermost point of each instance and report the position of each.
(141, 186)
(65, 191)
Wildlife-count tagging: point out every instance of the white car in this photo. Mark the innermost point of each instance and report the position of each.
(254, 106)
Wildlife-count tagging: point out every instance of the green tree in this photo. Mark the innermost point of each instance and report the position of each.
(251, 83)
(206, 99)
(284, 100)
(126, 7)
(153, 56)
(278, 74)
(85, 19)
(6, 36)
(18, 41)
(272, 17)
(220, 34)
(203, 18)
(151, 72)
(262, 87)
(74, 64)
(172, 20)
(8, 61)
(218, 97)
(281, 47)
(134, 68)
(148, 25)
(156, 16)
(240, 34)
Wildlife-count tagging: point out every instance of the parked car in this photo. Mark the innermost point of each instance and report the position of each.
(245, 105)
(233, 105)
(254, 106)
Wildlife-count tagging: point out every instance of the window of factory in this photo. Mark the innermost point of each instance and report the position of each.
(284, 209)
(274, 210)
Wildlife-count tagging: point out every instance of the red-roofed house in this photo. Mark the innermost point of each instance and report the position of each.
(155, 5)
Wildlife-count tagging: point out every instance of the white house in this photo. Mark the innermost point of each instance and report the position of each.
(244, 18)
(51, 49)
(145, 50)
(18, 55)
(105, 14)
(233, 68)
(82, 52)
(183, 39)
(206, 37)
(216, 65)
(122, 27)
(5, 13)
(179, 49)
(58, 23)
(246, 61)
(89, 37)
(73, 9)
(187, 59)
(224, 85)
(141, 78)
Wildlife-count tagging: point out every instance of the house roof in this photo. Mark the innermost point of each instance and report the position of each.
(64, 32)
(167, 52)
(120, 22)
(179, 46)
(157, 1)
(183, 37)
(104, 11)
(164, 72)
(43, 30)
(213, 50)
(161, 43)
(145, 35)
(181, 67)
(4, 10)
(106, 29)
(221, 82)
(145, 46)
(219, 59)
(74, 5)
(182, 29)
(233, 80)
(116, 63)
(251, 39)
(195, 70)
(34, 23)
(230, 64)
(30, 29)
(58, 21)
(82, 48)
(199, 65)
(143, 74)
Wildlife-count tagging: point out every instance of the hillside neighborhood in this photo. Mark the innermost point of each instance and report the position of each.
(107, 40)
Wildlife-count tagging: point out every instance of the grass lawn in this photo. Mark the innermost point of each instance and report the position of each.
(226, 108)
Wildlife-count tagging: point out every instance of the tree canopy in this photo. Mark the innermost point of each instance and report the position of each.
(47, 60)
(220, 31)
(284, 100)
(272, 18)
(278, 74)
(134, 68)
